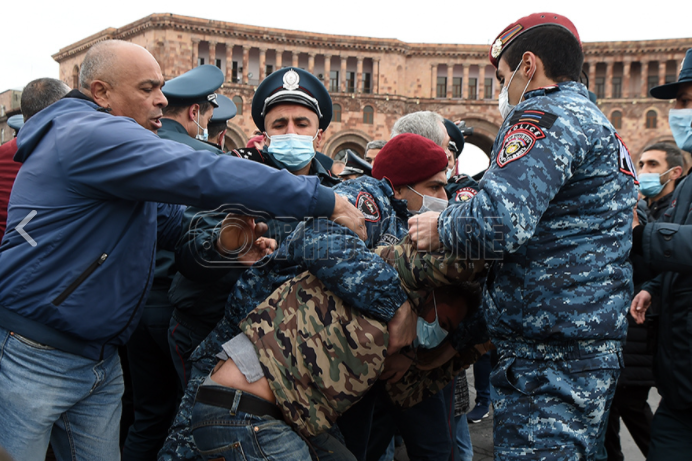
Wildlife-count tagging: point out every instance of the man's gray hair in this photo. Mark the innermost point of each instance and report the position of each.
(375, 145)
(423, 123)
(41, 93)
(99, 62)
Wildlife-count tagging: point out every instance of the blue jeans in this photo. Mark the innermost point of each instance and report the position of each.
(48, 394)
(232, 435)
(464, 447)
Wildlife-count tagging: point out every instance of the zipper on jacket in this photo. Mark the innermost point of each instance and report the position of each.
(82, 277)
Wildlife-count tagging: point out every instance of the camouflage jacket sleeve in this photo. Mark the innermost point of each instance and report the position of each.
(340, 260)
(529, 166)
(419, 272)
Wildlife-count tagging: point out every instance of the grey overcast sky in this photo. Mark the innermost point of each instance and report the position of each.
(33, 30)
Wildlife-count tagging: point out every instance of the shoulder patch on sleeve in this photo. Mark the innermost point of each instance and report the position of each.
(464, 194)
(365, 202)
(537, 117)
(518, 142)
(625, 160)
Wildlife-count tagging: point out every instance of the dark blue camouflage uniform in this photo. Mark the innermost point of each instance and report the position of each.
(336, 256)
(555, 207)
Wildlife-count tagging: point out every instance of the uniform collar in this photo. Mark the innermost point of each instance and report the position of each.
(172, 125)
(562, 86)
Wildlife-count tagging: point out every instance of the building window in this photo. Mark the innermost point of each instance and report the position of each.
(218, 63)
(651, 119)
(235, 72)
(473, 88)
(238, 101)
(616, 119)
(651, 82)
(336, 113)
(268, 70)
(368, 115)
(200, 61)
(600, 87)
(367, 83)
(456, 87)
(350, 82)
(334, 81)
(617, 87)
(488, 88)
(441, 87)
(670, 78)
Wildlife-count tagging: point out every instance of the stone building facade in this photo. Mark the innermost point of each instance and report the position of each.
(9, 106)
(375, 81)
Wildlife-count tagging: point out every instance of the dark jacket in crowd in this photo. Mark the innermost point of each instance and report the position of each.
(667, 249)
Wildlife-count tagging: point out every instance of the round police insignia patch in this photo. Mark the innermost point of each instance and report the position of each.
(464, 194)
(367, 205)
(518, 142)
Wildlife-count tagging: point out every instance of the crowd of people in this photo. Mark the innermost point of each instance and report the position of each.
(163, 298)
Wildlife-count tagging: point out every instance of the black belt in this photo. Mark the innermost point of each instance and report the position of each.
(220, 397)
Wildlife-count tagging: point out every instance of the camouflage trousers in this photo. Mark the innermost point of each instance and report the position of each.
(552, 410)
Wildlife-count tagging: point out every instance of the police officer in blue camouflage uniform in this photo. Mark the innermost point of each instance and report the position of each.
(556, 207)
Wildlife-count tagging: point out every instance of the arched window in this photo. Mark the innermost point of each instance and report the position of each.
(238, 101)
(616, 119)
(75, 77)
(368, 115)
(336, 113)
(651, 119)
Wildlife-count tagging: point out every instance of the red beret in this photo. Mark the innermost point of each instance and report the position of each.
(515, 29)
(409, 159)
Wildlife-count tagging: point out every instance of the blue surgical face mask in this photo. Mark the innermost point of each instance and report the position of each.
(204, 136)
(430, 335)
(291, 151)
(430, 203)
(650, 183)
(680, 121)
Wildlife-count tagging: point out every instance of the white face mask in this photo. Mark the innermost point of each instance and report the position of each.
(505, 107)
(430, 203)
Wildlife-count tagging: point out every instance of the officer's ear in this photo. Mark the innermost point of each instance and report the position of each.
(317, 143)
(529, 64)
(675, 173)
(193, 111)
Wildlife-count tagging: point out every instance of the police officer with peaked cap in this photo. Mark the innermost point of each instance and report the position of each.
(16, 122)
(355, 166)
(297, 86)
(297, 109)
(191, 102)
(217, 127)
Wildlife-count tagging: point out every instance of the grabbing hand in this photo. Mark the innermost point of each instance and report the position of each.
(349, 216)
(402, 328)
(395, 366)
(242, 238)
(423, 231)
(639, 306)
(429, 359)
